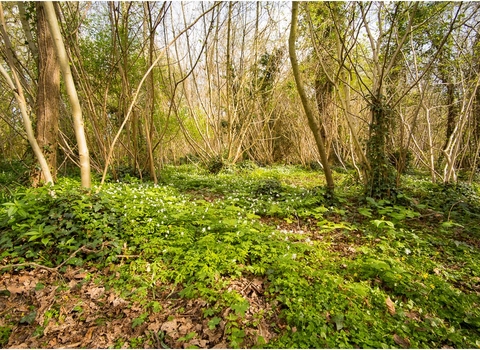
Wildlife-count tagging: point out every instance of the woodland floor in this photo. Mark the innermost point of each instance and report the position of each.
(256, 259)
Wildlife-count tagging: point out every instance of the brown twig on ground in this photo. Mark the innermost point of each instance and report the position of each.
(54, 269)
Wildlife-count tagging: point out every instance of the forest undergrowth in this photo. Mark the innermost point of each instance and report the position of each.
(251, 257)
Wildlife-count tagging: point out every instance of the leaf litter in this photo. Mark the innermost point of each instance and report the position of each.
(48, 310)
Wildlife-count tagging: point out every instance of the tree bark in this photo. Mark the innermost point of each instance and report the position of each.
(48, 94)
(20, 97)
(71, 92)
(303, 96)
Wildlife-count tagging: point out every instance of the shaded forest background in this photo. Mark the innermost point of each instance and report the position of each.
(392, 87)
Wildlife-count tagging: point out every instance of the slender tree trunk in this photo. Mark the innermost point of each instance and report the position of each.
(303, 96)
(26, 28)
(452, 112)
(72, 93)
(48, 94)
(324, 93)
(229, 82)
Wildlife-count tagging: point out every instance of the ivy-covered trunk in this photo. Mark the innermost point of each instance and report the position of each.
(381, 177)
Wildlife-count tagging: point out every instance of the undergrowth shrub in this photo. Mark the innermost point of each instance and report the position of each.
(50, 223)
(13, 174)
(460, 198)
(215, 165)
(270, 187)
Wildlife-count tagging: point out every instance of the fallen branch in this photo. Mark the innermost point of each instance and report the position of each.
(51, 269)
(54, 269)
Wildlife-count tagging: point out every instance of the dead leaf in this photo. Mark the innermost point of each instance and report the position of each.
(16, 289)
(185, 328)
(413, 315)
(201, 343)
(96, 292)
(24, 279)
(88, 335)
(220, 346)
(390, 306)
(154, 326)
(69, 272)
(72, 284)
(403, 342)
(169, 326)
(72, 346)
(115, 301)
(213, 335)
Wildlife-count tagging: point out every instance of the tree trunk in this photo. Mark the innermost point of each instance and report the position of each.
(16, 87)
(303, 96)
(71, 92)
(48, 94)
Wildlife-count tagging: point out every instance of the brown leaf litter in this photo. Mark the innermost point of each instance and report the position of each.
(48, 310)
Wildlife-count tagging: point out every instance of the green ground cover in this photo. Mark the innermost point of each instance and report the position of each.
(250, 257)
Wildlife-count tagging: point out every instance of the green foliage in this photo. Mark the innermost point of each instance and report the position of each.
(51, 223)
(4, 335)
(328, 270)
(12, 175)
(215, 165)
(140, 320)
(271, 187)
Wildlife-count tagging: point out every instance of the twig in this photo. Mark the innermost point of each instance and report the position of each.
(53, 269)
(85, 249)
(451, 208)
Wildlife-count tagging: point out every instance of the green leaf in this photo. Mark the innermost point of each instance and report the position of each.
(383, 223)
(212, 324)
(241, 307)
(33, 238)
(139, 320)
(378, 264)
(359, 289)
(252, 216)
(189, 336)
(448, 224)
(365, 212)
(230, 222)
(339, 321)
(208, 312)
(28, 319)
